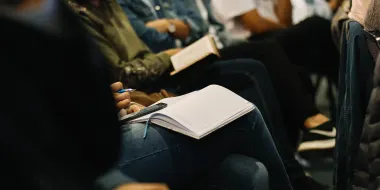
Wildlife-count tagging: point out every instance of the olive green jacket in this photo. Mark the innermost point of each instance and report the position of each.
(131, 60)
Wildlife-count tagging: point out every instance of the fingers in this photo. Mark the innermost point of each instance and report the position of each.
(134, 108)
(122, 112)
(123, 104)
(116, 86)
(164, 93)
(121, 96)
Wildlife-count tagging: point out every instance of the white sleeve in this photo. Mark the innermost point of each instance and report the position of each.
(229, 9)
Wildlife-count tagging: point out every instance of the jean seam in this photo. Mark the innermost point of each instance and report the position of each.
(145, 156)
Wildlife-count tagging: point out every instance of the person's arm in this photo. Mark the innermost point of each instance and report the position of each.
(257, 24)
(157, 41)
(198, 28)
(335, 4)
(162, 25)
(136, 72)
(284, 12)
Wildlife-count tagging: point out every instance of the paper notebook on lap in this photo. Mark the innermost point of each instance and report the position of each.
(197, 51)
(200, 113)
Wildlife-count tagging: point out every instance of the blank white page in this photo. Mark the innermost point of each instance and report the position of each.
(202, 111)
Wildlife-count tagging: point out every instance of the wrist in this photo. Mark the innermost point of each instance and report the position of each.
(171, 27)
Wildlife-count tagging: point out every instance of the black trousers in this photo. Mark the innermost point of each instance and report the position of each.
(308, 44)
(296, 100)
(250, 80)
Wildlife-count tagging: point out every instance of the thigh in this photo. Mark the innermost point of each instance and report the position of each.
(166, 156)
(236, 172)
(163, 156)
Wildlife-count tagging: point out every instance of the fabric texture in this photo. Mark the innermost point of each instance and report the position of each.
(139, 14)
(337, 23)
(366, 171)
(130, 59)
(237, 172)
(308, 44)
(295, 99)
(359, 10)
(184, 161)
(355, 85)
(227, 11)
(372, 21)
(250, 80)
(303, 9)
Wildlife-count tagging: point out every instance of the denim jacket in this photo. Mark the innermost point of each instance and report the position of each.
(140, 12)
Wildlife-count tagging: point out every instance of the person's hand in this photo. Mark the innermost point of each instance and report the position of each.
(122, 100)
(143, 186)
(172, 52)
(333, 4)
(161, 25)
(135, 107)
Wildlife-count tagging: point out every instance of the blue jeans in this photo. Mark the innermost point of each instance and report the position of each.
(182, 162)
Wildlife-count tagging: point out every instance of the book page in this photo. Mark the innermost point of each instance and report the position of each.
(201, 112)
(193, 53)
(208, 108)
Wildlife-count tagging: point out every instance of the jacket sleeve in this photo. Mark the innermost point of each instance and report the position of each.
(156, 41)
(137, 72)
(194, 20)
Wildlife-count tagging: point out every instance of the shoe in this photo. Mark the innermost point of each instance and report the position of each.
(319, 138)
(327, 129)
(314, 141)
(307, 183)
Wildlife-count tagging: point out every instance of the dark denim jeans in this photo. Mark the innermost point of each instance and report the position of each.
(182, 162)
(251, 80)
(355, 85)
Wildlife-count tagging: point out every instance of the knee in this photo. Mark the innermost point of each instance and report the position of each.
(261, 176)
(248, 173)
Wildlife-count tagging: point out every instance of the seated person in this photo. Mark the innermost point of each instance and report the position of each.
(179, 157)
(75, 124)
(135, 65)
(307, 44)
(296, 101)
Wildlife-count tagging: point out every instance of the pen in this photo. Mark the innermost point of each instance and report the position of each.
(126, 90)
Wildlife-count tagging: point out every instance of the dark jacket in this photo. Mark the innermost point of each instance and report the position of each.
(355, 85)
(58, 122)
(367, 172)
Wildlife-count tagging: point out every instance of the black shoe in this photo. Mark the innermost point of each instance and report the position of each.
(308, 183)
(319, 138)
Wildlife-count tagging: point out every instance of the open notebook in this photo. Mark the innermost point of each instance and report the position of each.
(200, 113)
(200, 50)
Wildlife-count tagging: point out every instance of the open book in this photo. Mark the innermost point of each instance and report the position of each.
(197, 51)
(200, 113)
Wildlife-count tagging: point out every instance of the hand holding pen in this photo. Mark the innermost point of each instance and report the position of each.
(123, 100)
(121, 95)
